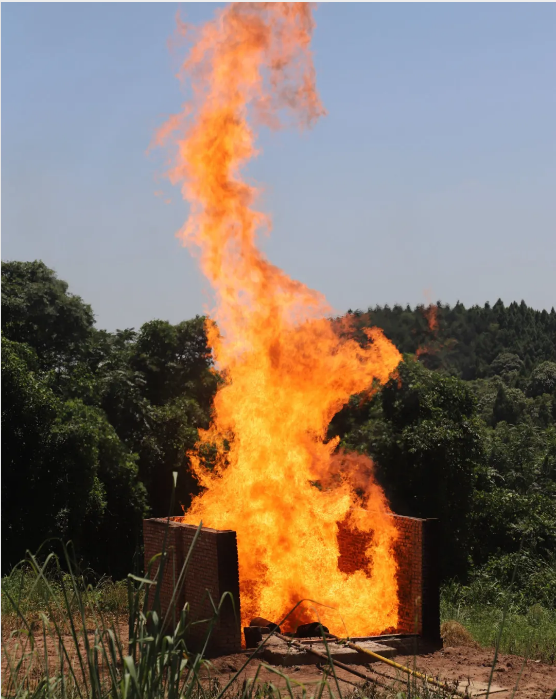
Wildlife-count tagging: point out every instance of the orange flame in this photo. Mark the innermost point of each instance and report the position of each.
(277, 483)
(431, 315)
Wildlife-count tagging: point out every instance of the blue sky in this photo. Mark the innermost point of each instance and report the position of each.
(435, 168)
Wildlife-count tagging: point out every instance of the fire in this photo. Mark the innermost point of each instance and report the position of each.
(431, 314)
(432, 347)
(277, 482)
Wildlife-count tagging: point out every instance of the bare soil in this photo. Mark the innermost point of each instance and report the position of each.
(461, 664)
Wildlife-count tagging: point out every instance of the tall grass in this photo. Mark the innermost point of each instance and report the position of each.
(23, 594)
(528, 632)
(65, 639)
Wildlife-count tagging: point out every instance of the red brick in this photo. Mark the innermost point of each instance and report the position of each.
(211, 571)
(416, 555)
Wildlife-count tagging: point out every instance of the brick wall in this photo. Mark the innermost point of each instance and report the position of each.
(416, 552)
(212, 570)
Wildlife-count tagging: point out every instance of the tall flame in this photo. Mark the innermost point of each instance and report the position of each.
(277, 482)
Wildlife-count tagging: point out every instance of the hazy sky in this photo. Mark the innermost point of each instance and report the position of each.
(434, 169)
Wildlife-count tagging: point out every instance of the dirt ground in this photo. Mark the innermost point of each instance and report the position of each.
(463, 664)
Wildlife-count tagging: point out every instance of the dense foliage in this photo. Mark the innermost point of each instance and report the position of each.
(471, 343)
(94, 424)
(480, 453)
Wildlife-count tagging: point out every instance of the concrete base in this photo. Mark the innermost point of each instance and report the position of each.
(279, 652)
(405, 644)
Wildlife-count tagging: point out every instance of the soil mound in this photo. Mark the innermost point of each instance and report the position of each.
(454, 635)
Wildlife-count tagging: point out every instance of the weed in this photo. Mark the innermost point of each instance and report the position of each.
(67, 641)
(527, 632)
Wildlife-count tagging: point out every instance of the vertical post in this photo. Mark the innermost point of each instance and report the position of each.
(431, 581)
(229, 624)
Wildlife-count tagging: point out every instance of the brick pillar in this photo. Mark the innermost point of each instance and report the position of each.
(408, 550)
(212, 570)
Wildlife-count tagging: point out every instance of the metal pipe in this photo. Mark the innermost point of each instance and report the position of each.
(409, 671)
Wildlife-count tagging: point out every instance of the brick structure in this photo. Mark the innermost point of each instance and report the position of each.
(416, 552)
(212, 570)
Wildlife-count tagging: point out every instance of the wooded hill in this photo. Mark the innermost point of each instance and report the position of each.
(94, 423)
(471, 343)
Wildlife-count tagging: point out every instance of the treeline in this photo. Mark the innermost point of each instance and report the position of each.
(466, 432)
(465, 342)
(94, 424)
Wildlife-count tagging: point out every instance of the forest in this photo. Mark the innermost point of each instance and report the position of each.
(94, 423)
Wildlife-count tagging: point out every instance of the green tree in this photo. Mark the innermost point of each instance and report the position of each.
(155, 386)
(65, 472)
(515, 500)
(543, 379)
(506, 363)
(38, 310)
(509, 405)
(159, 400)
(423, 432)
(175, 361)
